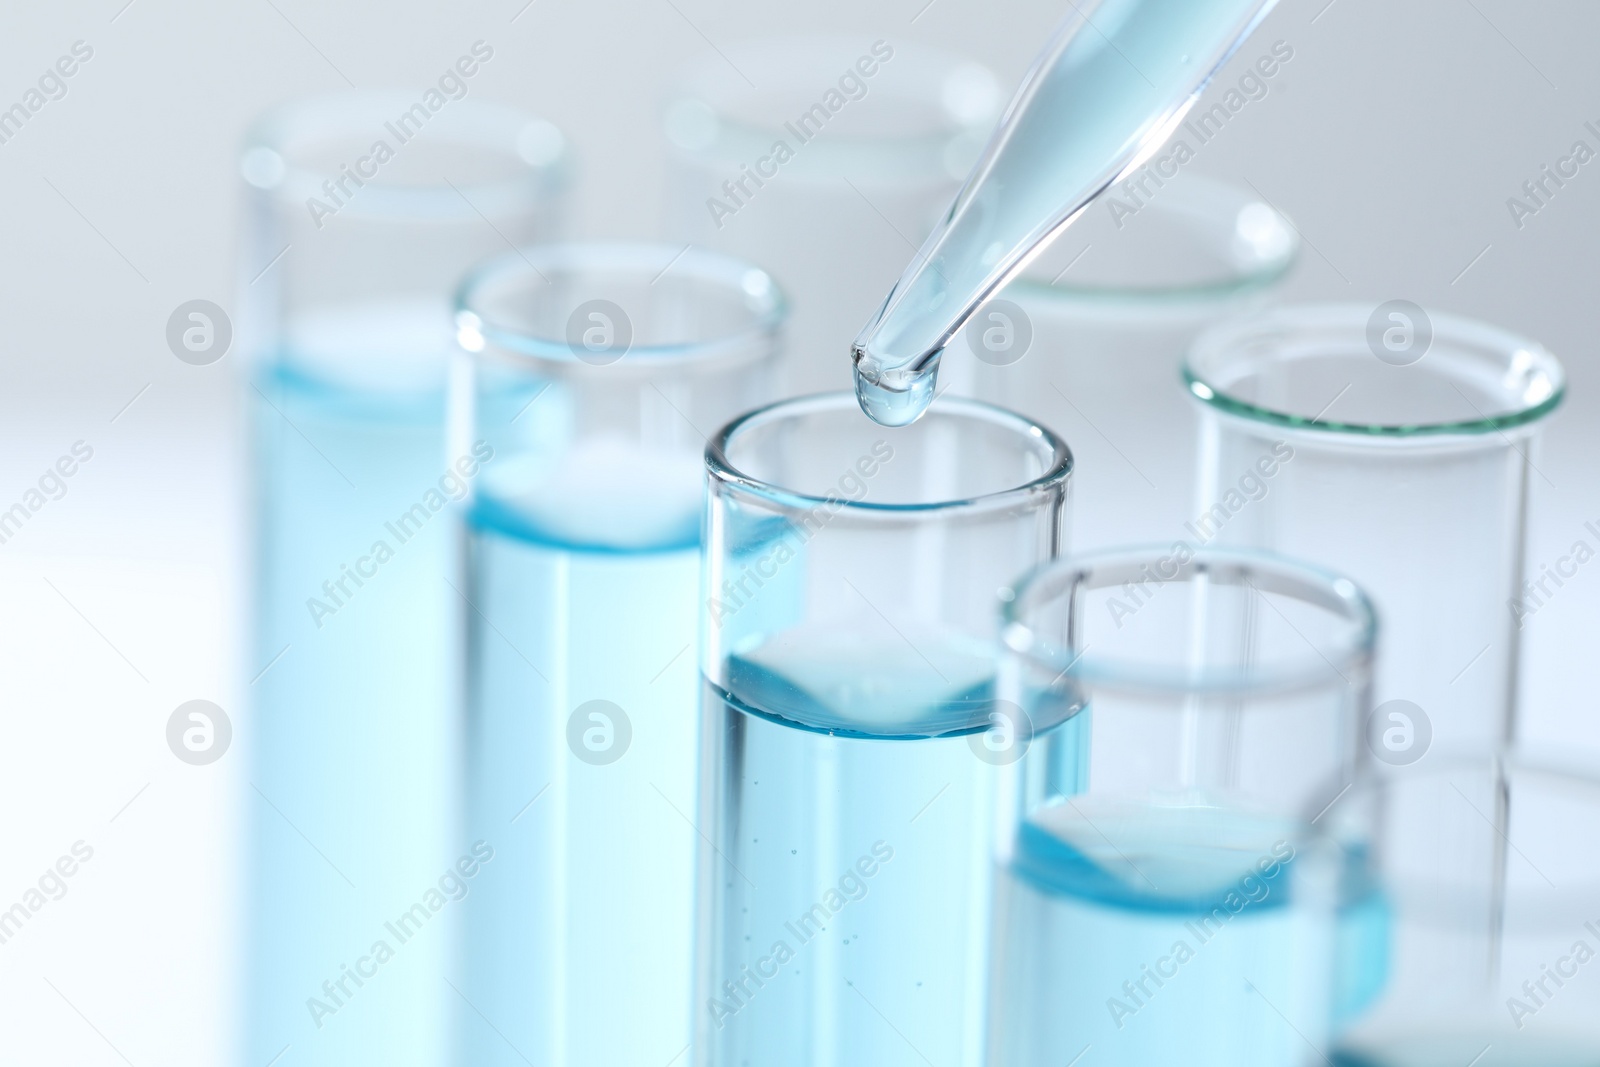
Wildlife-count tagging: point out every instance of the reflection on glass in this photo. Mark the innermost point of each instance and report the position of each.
(1487, 866)
(1397, 447)
(848, 774)
(1166, 894)
(826, 160)
(1092, 335)
(588, 373)
(354, 819)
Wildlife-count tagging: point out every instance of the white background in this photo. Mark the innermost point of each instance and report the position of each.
(1393, 140)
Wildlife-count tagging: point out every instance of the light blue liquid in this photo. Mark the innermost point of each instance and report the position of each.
(1477, 1043)
(1104, 97)
(579, 939)
(846, 899)
(352, 802)
(1162, 935)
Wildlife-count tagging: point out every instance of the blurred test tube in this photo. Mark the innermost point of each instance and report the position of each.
(826, 161)
(364, 208)
(1091, 335)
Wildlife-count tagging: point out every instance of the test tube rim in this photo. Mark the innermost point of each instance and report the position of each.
(1325, 588)
(551, 356)
(1376, 783)
(720, 88)
(1351, 319)
(721, 470)
(332, 115)
(1180, 300)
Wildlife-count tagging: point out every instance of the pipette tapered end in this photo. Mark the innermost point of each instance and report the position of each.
(895, 397)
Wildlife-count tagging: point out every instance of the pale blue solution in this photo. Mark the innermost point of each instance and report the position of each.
(1096, 100)
(1363, 956)
(1163, 935)
(1476, 1043)
(351, 805)
(579, 941)
(847, 896)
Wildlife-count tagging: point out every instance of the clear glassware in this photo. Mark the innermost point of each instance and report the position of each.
(853, 190)
(848, 772)
(1091, 336)
(1396, 447)
(1166, 893)
(350, 257)
(589, 376)
(1104, 96)
(1492, 910)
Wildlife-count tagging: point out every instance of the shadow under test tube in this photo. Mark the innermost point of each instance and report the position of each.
(1165, 893)
(848, 766)
(590, 375)
(353, 811)
(827, 160)
(1395, 448)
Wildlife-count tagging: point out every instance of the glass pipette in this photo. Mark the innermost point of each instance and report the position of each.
(1110, 87)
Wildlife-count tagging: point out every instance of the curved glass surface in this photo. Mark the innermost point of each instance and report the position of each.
(1006, 460)
(1392, 372)
(1333, 620)
(1198, 241)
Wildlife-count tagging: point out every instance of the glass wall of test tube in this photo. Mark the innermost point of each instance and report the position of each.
(829, 174)
(588, 376)
(1485, 869)
(848, 767)
(1164, 886)
(350, 255)
(1399, 448)
(1090, 337)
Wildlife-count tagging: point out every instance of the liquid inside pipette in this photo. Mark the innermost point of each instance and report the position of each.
(1107, 91)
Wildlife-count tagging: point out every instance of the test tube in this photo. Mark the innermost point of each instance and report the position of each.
(1091, 335)
(1166, 893)
(1397, 447)
(851, 744)
(350, 255)
(828, 160)
(1492, 907)
(589, 376)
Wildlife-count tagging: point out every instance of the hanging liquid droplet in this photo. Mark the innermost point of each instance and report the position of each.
(893, 398)
(1106, 93)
